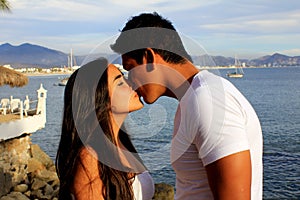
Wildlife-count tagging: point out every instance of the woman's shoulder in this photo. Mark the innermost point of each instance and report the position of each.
(87, 178)
(87, 152)
(88, 159)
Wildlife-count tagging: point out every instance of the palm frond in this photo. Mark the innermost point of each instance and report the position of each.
(4, 5)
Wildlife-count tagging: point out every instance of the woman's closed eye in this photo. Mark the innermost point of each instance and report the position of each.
(120, 83)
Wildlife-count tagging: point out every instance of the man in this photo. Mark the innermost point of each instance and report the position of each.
(216, 148)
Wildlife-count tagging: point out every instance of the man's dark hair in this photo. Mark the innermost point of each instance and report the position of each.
(150, 30)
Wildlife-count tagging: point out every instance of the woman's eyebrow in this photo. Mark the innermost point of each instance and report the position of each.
(118, 76)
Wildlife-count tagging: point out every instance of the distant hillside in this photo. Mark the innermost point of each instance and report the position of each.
(269, 60)
(32, 55)
(27, 55)
(276, 60)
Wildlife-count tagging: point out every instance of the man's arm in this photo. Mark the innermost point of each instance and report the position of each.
(230, 177)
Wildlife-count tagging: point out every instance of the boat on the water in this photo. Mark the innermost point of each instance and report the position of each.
(238, 73)
(63, 82)
(235, 75)
(71, 61)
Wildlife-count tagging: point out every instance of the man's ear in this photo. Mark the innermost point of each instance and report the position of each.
(149, 57)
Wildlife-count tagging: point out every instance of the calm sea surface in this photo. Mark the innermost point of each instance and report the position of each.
(274, 93)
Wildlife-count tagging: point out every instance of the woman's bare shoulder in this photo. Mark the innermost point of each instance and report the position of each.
(87, 154)
(87, 182)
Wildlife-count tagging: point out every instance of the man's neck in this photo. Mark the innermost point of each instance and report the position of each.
(181, 79)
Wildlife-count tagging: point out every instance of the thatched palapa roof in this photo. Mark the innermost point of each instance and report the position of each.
(12, 77)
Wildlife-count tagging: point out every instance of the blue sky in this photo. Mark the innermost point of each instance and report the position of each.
(247, 28)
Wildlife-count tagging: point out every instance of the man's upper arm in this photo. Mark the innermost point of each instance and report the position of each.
(230, 177)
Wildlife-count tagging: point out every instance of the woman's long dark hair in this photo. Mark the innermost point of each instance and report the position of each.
(86, 108)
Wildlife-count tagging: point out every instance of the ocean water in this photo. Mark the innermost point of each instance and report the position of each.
(274, 94)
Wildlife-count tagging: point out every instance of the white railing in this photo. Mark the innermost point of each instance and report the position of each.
(35, 110)
(17, 106)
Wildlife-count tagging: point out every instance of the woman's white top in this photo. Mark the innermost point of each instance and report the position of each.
(143, 186)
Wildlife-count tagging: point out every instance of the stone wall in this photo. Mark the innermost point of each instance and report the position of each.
(27, 172)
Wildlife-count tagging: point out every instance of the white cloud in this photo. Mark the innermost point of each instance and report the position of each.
(164, 5)
(70, 10)
(55, 10)
(225, 26)
(291, 52)
(274, 23)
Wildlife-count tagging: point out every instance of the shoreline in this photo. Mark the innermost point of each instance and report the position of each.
(48, 74)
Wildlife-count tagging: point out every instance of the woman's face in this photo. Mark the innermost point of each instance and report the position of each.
(123, 98)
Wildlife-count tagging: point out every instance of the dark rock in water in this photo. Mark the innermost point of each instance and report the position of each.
(163, 191)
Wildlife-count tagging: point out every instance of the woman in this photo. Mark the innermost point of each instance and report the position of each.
(95, 158)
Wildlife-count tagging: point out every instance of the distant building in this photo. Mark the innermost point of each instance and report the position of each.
(7, 66)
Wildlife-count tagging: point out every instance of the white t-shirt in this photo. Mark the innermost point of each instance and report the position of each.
(213, 120)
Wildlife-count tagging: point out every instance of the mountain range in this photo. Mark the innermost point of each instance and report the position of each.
(29, 55)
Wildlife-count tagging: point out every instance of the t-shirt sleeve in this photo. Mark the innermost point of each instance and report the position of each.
(221, 131)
